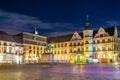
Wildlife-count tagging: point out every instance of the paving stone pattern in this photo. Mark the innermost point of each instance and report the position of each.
(60, 72)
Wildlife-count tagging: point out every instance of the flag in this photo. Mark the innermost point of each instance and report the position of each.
(36, 32)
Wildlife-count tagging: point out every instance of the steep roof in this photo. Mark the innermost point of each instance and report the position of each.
(87, 27)
(110, 31)
(65, 38)
(18, 38)
(12, 38)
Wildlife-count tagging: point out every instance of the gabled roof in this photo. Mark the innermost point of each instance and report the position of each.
(110, 31)
(65, 38)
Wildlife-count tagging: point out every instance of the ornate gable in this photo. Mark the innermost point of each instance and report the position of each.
(76, 36)
(101, 33)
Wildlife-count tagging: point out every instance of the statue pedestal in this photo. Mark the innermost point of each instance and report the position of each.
(47, 58)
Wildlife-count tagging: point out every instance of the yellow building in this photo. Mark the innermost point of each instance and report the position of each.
(34, 46)
(88, 46)
(85, 47)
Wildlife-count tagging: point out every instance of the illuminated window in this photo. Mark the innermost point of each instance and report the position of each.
(70, 44)
(61, 45)
(103, 40)
(94, 41)
(82, 49)
(74, 44)
(5, 44)
(94, 48)
(62, 52)
(58, 45)
(98, 56)
(109, 40)
(98, 48)
(65, 44)
(103, 55)
(65, 51)
(55, 52)
(98, 41)
(109, 55)
(86, 42)
(78, 49)
(86, 48)
(10, 50)
(109, 47)
(29, 47)
(55, 46)
(58, 51)
(70, 50)
(101, 35)
(4, 49)
(103, 47)
(78, 43)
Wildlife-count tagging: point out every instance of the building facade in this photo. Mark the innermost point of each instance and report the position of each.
(102, 45)
(11, 49)
(21, 48)
(33, 47)
(87, 46)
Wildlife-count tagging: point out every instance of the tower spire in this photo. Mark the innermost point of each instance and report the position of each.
(87, 18)
(87, 27)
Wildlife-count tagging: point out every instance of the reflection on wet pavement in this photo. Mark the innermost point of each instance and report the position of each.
(60, 72)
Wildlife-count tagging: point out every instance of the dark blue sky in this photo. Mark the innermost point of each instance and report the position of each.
(57, 17)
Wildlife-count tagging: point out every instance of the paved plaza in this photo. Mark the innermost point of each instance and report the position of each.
(60, 72)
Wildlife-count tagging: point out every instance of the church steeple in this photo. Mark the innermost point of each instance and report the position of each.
(87, 27)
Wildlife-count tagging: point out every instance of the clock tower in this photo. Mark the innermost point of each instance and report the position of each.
(88, 39)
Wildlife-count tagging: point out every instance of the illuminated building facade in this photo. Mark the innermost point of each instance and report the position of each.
(11, 49)
(34, 46)
(21, 48)
(102, 45)
(87, 46)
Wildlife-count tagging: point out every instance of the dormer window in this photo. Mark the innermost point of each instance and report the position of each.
(101, 35)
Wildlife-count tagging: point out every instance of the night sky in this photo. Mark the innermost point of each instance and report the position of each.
(57, 17)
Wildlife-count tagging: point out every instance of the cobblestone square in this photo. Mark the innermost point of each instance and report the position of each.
(60, 72)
